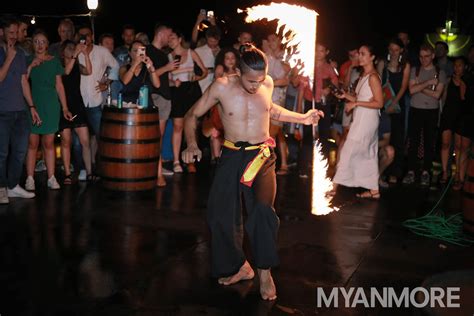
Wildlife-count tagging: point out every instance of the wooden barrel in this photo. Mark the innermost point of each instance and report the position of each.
(468, 198)
(129, 149)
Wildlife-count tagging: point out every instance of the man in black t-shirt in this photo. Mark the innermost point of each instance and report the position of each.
(162, 96)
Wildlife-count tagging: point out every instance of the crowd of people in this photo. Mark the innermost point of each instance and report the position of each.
(388, 117)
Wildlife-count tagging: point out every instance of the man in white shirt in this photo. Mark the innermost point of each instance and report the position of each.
(92, 85)
(208, 53)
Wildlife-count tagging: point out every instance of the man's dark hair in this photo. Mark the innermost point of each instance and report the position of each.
(444, 44)
(128, 27)
(427, 47)
(213, 32)
(9, 20)
(85, 26)
(160, 27)
(104, 36)
(252, 58)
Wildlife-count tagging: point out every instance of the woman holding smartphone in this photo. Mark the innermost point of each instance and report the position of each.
(72, 82)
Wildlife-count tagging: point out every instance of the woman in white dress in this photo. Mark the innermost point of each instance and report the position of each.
(358, 164)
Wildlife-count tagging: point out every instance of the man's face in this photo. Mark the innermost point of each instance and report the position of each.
(404, 38)
(22, 32)
(65, 32)
(128, 36)
(108, 42)
(165, 36)
(426, 58)
(212, 42)
(11, 34)
(440, 51)
(245, 38)
(85, 32)
(252, 80)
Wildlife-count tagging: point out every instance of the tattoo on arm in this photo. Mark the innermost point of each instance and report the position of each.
(275, 113)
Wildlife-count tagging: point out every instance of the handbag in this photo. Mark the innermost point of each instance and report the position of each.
(389, 94)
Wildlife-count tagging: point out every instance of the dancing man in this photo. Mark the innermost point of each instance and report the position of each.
(246, 167)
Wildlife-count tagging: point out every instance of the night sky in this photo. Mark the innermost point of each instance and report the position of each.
(342, 23)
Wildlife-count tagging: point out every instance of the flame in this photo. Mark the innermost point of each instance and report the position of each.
(320, 201)
(297, 25)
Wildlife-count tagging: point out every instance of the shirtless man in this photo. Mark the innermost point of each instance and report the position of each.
(247, 167)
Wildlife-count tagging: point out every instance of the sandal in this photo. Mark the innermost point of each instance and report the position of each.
(283, 171)
(444, 178)
(92, 178)
(368, 195)
(458, 185)
(67, 179)
(177, 167)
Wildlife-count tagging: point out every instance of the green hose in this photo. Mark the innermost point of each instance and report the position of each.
(436, 225)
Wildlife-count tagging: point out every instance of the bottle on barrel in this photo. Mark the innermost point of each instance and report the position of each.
(119, 100)
(109, 95)
(143, 96)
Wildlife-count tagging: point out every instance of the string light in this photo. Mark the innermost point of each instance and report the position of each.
(33, 21)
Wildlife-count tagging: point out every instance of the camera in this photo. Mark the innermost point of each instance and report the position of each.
(82, 39)
(177, 58)
(334, 89)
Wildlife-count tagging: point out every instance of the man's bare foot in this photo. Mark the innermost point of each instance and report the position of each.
(267, 287)
(245, 273)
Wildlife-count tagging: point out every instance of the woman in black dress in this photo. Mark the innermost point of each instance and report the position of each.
(456, 118)
(72, 81)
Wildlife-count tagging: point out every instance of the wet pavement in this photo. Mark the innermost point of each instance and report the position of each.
(84, 250)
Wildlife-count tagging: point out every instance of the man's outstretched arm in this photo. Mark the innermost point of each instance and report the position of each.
(281, 114)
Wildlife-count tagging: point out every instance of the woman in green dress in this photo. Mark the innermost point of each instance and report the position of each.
(45, 72)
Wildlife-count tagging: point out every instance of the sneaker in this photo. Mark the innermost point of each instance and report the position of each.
(30, 183)
(177, 168)
(4, 196)
(53, 183)
(19, 192)
(409, 178)
(40, 166)
(82, 175)
(166, 172)
(425, 179)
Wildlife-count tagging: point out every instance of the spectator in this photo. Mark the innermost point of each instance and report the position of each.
(66, 32)
(426, 86)
(121, 53)
(14, 125)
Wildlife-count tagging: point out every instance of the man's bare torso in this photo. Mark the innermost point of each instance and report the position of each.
(245, 116)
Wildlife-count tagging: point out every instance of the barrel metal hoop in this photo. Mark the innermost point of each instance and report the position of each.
(129, 141)
(130, 123)
(129, 160)
(128, 179)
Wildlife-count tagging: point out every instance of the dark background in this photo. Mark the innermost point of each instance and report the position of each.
(341, 24)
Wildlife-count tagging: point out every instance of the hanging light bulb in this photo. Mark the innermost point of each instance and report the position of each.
(33, 21)
(92, 4)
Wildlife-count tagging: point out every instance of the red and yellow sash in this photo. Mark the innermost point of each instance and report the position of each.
(256, 164)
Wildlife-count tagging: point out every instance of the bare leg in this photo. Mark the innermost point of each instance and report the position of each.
(446, 144)
(387, 153)
(83, 134)
(462, 147)
(267, 286)
(177, 137)
(49, 156)
(245, 273)
(33, 144)
(66, 150)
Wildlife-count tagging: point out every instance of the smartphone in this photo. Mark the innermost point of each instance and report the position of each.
(82, 39)
(202, 12)
(141, 51)
(177, 58)
(210, 14)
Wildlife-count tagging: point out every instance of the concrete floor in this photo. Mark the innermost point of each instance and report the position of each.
(83, 250)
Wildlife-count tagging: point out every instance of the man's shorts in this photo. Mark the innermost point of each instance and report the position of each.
(163, 105)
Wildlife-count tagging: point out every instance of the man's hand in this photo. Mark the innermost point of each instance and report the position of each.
(312, 117)
(190, 152)
(11, 51)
